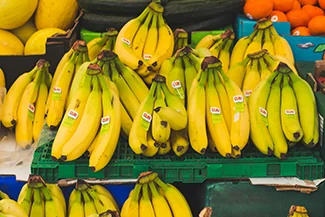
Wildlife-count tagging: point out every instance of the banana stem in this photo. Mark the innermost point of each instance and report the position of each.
(161, 184)
(136, 192)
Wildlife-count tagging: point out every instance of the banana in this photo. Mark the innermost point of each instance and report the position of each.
(176, 79)
(196, 61)
(159, 203)
(124, 40)
(149, 77)
(197, 113)
(145, 206)
(237, 71)
(190, 73)
(103, 191)
(217, 125)
(10, 207)
(180, 39)
(160, 127)
(259, 116)
(164, 147)
(25, 198)
(239, 50)
(274, 119)
(88, 126)
(165, 46)
(72, 117)
(175, 199)
(57, 192)
(151, 42)
(126, 121)
(256, 44)
(239, 130)
(216, 48)
(92, 146)
(264, 70)
(208, 41)
(307, 111)
(251, 80)
(166, 66)
(141, 123)
(53, 206)
(2, 79)
(102, 203)
(152, 145)
(139, 39)
(134, 81)
(13, 98)
(58, 97)
(38, 206)
(127, 97)
(39, 117)
(289, 111)
(110, 128)
(26, 112)
(281, 46)
(179, 141)
(224, 55)
(268, 44)
(131, 205)
(175, 108)
(76, 205)
(89, 206)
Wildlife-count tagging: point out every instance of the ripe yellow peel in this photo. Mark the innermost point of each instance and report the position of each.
(10, 44)
(25, 31)
(286, 61)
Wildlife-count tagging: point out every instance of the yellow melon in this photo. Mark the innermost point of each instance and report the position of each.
(10, 44)
(25, 31)
(14, 13)
(56, 14)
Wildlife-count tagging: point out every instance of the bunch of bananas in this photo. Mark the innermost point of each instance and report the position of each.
(10, 208)
(180, 39)
(38, 198)
(298, 211)
(65, 71)
(283, 111)
(144, 42)
(217, 102)
(159, 123)
(92, 121)
(24, 104)
(91, 200)
(152, 197)
(106, 42)
(220, 46)
(254, 68)
(264, 36)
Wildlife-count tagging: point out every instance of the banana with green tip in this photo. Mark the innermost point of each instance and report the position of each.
(131, 205)
(53, 206)
(145, 206)
(89, 206)
(176, 80)
(38, 206)
(76, 204)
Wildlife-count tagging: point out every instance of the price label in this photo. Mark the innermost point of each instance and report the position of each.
(57, 93)
(126, 41)
(216, 115)
(238, 98)
(146, 120)
(239, 103)
(263, 112)
(290, 112)
(147, 56)
(105, 124)
(247, 93)
(31, 111)
(70, 120)
(177, 85)
(73, 114)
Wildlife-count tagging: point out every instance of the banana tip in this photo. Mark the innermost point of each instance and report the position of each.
(283, 156)
(228, 155)
(143, 147)
(64, 158)
(296, 135)
(236, 148)
(179, 148)
(269, 151)
(93, 169)
(163, 145)
(203, 150)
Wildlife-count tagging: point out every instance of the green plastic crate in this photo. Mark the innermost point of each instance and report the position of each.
(190, 168)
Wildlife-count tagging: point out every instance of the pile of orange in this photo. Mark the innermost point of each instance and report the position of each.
(307, 17)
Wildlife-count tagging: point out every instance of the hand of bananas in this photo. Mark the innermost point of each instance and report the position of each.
(38, 198)
(91, 200)
(283, 112)
(152, 197)
(297, 211)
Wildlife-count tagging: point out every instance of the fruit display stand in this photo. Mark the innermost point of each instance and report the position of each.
(56, 47)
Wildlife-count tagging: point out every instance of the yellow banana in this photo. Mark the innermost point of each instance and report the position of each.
(13, 97)
(2, 79)
(160, 127)
(89, 206)
(110, 128)
(239, 51)
(151, 42)
(72, 117)
(11, 207)
(141, 123)
(257, 103)
(131, 205)
(256, 44)
(145, 206)
(38, 206)
(264, 70)
(180, 39)
(166, 66)
(152, 145)
(179, 141)
(159, 203)
(57, 192)
(274, 119)
(175, 199)
(252, 78)
(25, 198)
(208, 41)
(26, 112)
(164, 147)
(96, 45)
(289, 112)
(53, 206)
(268, 44)
(217, 125)
(39, 117)
(237, 71)
(176, 79)
(88, 126)
(58, 97)
(190, 73)
(103, 191)
(76, 205)
(224, 55)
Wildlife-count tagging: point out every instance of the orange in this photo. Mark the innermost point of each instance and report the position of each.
(298, 18)
(300, 31)
(308, 2)
(321, 3)
(278, 16)
(313, 11)
(296, 5)
(316, 26)
(258, 9)
(283, 5)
